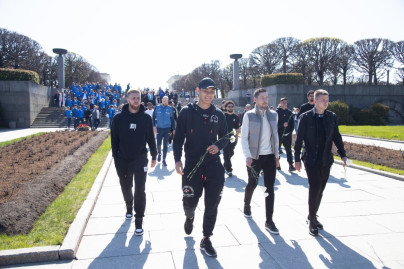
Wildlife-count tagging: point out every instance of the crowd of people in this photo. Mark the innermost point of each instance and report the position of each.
(202, 131)
(88, 103)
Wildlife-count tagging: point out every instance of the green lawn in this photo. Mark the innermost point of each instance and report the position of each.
(9, 142)
(52, 226)
(386, 132)
(376, 166)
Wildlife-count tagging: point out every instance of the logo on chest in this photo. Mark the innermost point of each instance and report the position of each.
(214, 119)
(132, 126)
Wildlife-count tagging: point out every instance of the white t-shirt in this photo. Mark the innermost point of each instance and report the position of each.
(150, 112)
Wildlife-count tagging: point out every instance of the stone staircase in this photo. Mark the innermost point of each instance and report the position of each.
(51, 117)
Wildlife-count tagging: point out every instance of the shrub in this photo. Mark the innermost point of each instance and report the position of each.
(375, 115)
(341, 109)
(18, 75)
(281, 78)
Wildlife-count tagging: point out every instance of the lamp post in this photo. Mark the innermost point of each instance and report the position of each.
(61, 67)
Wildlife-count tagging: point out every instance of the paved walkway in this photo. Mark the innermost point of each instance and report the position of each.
(363, 217)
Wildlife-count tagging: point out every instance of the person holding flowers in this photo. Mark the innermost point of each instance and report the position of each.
(204, 130)
(260, 144)
(317, 130)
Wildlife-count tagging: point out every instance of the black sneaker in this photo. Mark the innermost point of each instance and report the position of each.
(189, 225)
(278, 168)
(159, 157)
(313, 230)
(247, 211)
(164, 163)
(129, 213)
(270, 227)
(230, 174)
(206, 246)
(280, 151)
(319, 225)
(138, 226)
(292, 168)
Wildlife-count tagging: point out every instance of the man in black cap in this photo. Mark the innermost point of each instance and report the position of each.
(201, 126)
(285, 129)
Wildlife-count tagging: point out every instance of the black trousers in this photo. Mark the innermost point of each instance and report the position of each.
(268, 165)
(208, 177)
(228, 152)
(318, 178)
(130, 171)
(287, 143)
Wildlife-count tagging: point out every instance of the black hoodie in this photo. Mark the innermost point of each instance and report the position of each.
(201, 128)
(130, 132)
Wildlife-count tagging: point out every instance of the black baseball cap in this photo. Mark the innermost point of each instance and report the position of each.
(206, 83)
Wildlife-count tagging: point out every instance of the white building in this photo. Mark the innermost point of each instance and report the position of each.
(172, 80)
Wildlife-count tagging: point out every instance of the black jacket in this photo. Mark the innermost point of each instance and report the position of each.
(285, 116)
(199, 128)
(129, 134)
(304, 108)
(307, 133)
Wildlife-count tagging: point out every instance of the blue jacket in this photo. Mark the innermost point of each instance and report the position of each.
(163, 117)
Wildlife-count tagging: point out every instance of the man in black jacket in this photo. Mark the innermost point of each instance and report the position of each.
(130, 131)
(318, 129)
(309, 105)
(200, 125)
(233, 122)
(285, 130)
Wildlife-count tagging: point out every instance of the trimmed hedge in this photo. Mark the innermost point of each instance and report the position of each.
(281, 78)
(342, 111)
(18, 75)
(349, 115)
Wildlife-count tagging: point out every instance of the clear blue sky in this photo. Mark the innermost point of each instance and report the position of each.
(146, 42)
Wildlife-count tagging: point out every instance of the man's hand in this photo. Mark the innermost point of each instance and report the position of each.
(248, 162)
(213, 149)
(155, 130)
(179, 168)
(285, 124)
(173, 132)
(344, 160)
(153, 163)
(298, 166)
(277, 162)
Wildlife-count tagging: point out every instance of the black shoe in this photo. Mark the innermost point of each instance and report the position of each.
(278, 168)
(230, 174)
(206, 246)
(138, 226)
(159, 157)
(164, 163)
(292, 168)
(313, 230)
(247, 211)
(280, 151)
(189, 225)
(319, 225)
(270, 227)
(129, 213)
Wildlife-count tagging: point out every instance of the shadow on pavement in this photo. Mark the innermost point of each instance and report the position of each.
(114, 254)
(340, 253)
(279, 250)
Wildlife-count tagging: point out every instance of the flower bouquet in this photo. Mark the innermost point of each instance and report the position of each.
(229, 136)
(83, 127)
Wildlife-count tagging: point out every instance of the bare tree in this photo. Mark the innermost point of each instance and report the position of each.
(265, 58)
(286, 46)
(371, 56)
(301, 63)
(322, 54)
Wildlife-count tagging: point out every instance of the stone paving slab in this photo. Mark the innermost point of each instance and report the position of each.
(362, 215)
